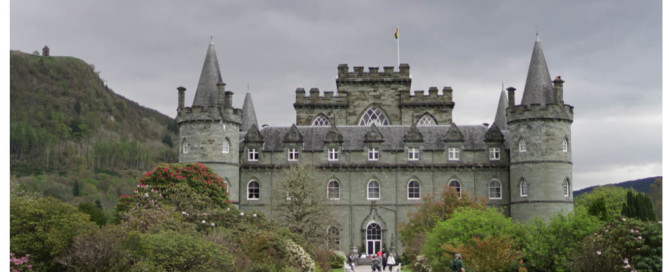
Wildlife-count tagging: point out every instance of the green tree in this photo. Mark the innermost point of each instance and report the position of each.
(490, 254)
(598, 208)
(638, 206)
(300, 205)
(97, 215)
(97, 250)
(614, 198)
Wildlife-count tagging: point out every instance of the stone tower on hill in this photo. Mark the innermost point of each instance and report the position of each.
(378, 148)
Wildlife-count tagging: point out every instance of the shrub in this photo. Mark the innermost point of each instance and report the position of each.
(98, 250)
(97, 215)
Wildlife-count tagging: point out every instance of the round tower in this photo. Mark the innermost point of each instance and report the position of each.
(540, 171)
(209, 129)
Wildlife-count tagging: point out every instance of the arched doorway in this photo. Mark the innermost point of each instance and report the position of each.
(373, 238)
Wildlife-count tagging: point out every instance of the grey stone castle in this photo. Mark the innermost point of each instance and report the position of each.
(378, 148)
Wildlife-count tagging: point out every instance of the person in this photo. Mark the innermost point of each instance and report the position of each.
(391, 262)
(456, 264)
(351, 261)
(384, 261)
(376, 265)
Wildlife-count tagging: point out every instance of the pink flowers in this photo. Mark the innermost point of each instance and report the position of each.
(624, 219)
(598, 252)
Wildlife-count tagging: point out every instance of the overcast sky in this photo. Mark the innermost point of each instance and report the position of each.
(608, 53)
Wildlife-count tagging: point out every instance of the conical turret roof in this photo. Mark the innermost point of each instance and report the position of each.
(538, 86)
(249, 113)
(207, 89)
(500, 116)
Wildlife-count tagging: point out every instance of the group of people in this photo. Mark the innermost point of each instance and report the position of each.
(380, 262)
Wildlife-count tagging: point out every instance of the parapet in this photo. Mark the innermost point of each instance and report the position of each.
(372, 74)
(207, 114)
(314, 99)
(562, 112)
(432, 98)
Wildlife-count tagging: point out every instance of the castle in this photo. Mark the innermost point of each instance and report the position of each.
(378, 148)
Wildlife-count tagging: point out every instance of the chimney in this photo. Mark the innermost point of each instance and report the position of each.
(512, 96)
(557, 84)
(182, 92)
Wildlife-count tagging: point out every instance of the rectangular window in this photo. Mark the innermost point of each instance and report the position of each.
(494, 153)
(453, 154)
(293, 154)
(333, 154)
(373, 154)
(413, 154)
(253, 154)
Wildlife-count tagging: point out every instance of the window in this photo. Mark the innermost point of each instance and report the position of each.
(253, 189)
(227, 185)
(373, 154)
(413, 154)
(293, 154)
(226, 146)
(523, 188)
(413, 190)
(373, 190)
(522, 146)
(453, 154)
(333, 238)
(374, 115)
(426, 120)
(373, 238)
(456, 184)
(565, 187)
(333, 154)
(253, 154)
(320, 121)
(494, 154)
(184, 146)
(565, 145)
(333, 190)
(495, 190)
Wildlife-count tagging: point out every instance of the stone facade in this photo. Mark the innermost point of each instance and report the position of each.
(392, 148)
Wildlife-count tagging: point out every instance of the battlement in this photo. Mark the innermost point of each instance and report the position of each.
(431, 98)
(212, 114)
(314, 98)
(537, 111)
(372, 74)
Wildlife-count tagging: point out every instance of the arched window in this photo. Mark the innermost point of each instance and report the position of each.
(456, 184)
(523, 188)
(373, 190)
(413, 190)
(565, 187)
(495, 190)
(333, 238)
(226, 146)
(374, 115)
(522, 146)
(253, 190)
(426, 120)
(320, 121)
(565, 145)
(333, 190)
(184, 145)
(227, 185)
(373, 238)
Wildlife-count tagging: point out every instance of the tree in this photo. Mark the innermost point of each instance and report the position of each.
(613, 197)
(299, 204)
(598, 208)
(638, 206)
(492, 253)
(97, 215)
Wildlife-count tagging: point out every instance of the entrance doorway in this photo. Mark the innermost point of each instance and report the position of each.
(374, 243)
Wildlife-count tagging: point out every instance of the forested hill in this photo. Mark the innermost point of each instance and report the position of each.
(640, 185)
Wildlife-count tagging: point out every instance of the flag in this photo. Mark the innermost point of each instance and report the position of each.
(397, 33)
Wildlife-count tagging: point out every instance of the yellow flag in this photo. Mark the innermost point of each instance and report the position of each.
(397, 33)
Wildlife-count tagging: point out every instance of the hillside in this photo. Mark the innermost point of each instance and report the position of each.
(651, 186)
(72, 136)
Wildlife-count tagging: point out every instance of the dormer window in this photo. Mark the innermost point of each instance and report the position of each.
(413, 154)
(333, 154)
(453, 154)
(522, 146)
(494, 153)
(253, 154)
(373, 154)
(293, 154)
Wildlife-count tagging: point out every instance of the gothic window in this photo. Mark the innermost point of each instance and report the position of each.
(523, 188)
(522, 146)
(333, 190)
(373, 190)
(227, 185)
(495, 190)
(494, 154)
(184, 146)
(253, 190)
(565, 187)
(333, 154)
(374, 115)
(373, 154)
(320, 121)
(253, 154)
(413, 190)
(373, 238)
(453, 154)
(565, 145)
(293, 154)
(456, 184)
(413, 154)
(333, 238)
(426, 120)
(226, 146)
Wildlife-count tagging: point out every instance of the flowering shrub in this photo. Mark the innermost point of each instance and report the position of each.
(300, 258)
(20, 264)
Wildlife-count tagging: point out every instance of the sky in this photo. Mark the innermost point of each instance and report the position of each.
(608, 52)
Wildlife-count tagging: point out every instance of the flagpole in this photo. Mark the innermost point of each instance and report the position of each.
(398, 46)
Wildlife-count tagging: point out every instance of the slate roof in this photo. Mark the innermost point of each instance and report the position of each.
(538, 85)
(500, 116)
(207, 90)
(248, 114)
(393, 137)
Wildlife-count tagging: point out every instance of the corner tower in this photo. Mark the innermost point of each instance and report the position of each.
(209, 129)
(540, 170)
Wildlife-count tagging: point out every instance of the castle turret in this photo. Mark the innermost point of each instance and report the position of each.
(540, 171)
(209, 129)
(500, 116)
(249, 114)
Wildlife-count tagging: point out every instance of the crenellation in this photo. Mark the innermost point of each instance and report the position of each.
(433, 92)
(420, 93)
(388, 69)
(328, 94)
(373, 72)
(538, 111)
